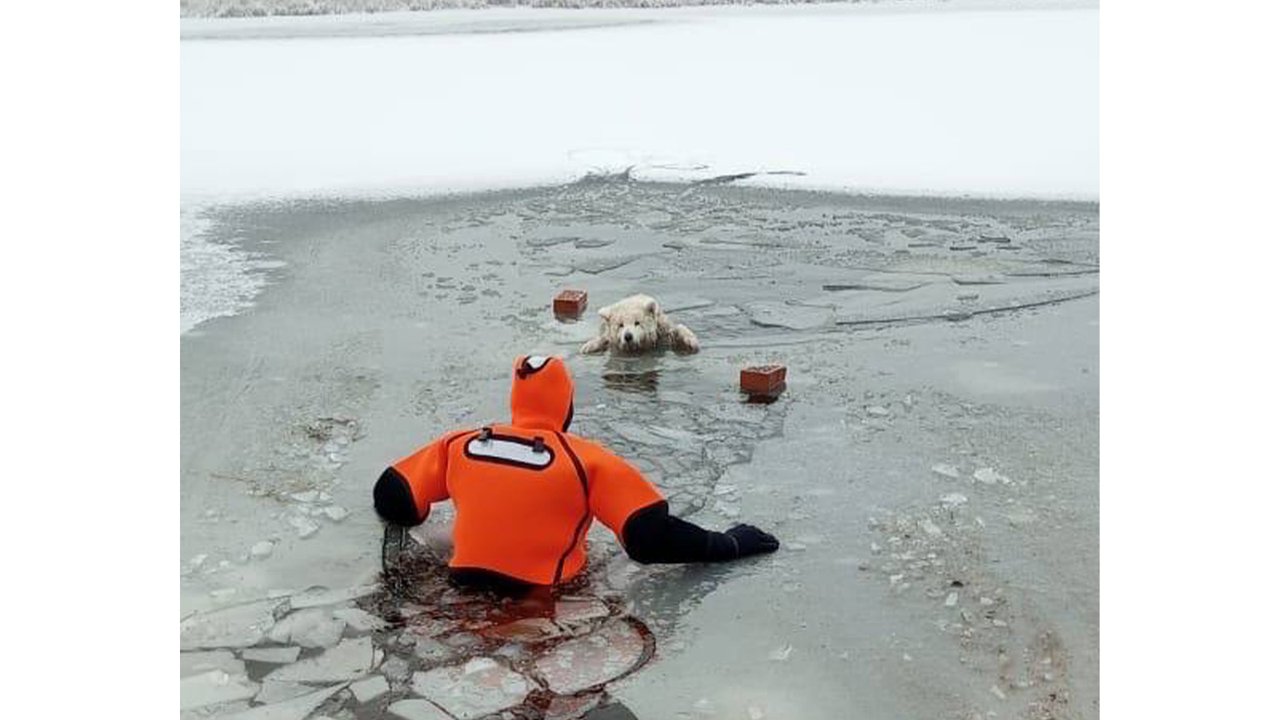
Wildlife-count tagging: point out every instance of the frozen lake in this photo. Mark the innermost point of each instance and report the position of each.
(931, 470)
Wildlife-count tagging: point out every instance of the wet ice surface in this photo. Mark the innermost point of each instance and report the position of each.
(926, 470)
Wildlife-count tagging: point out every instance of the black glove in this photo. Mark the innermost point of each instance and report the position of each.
(751, 540)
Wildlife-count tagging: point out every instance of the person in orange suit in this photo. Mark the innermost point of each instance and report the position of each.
(525, 494)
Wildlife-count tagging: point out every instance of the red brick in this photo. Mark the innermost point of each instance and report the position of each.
(570, 303)
(763, 379)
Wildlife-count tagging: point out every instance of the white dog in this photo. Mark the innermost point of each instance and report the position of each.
(635, 325)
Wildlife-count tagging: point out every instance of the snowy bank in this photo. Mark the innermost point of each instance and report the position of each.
(952, 98)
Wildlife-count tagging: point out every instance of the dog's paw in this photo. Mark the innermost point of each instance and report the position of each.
(594, 346)
(683, 340)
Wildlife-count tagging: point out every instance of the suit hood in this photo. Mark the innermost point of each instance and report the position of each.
(541, 393)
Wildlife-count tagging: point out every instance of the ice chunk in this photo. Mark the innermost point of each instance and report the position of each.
(310, 627)
(202, 662)
(953, 499)
(272, 655)
(359, 620)
(930, 528)
(952, 599)
(349, 660)
(417, 710)
(478, 688)
(336, 513)
(293, 709)
(215, 686)
(231, 627)
(780, 654)
(877, 411)
(574, 707)
(580, 609)
(319, 596)
(274, 691)
(369, 688)
(396, 668)
(755, 713)
(306, 527)
(792, 317)
(308, 496)
(433, 650)
(988, 476)
(593, 660)
(262, 549)
(947, 471)
(727, 510)
(524, 630)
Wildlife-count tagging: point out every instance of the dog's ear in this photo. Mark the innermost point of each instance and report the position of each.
(605, 311)
(651, 306)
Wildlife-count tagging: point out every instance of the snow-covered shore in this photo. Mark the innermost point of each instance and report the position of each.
(974, 98)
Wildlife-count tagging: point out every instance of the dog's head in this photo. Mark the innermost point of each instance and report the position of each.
(632, 324)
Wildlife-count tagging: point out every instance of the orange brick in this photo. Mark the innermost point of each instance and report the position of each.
(570, 303)
(763, 379)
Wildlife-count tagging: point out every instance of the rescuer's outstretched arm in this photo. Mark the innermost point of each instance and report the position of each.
(404, 492)
(653, 535)
(621, 498)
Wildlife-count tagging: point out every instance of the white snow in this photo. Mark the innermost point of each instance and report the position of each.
(959, 97)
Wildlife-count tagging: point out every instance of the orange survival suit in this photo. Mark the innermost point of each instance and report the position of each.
(525, 493)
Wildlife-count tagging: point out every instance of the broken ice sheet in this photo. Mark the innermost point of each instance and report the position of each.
(318, 596)
(193, 663)
(784, 315)
(309, 627)
(478, 688)
(272, 655)
(215, 686)
(579, 609)
(274, 691)
(524, 630)
(369, 688)
(231, 627)
(989, 476)
(592, 660)
(359, 620)
(349, 660)
(294, 709)
(415, 709)
(947, 471)
(306, 527)
(780, 654)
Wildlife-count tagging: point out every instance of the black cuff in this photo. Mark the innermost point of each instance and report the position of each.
(393, 499)
(652, 535)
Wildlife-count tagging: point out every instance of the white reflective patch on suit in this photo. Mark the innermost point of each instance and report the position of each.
(536, 362)
(508, 451)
